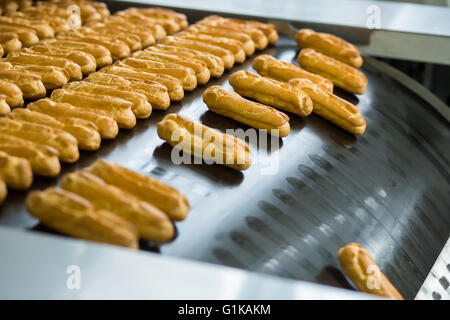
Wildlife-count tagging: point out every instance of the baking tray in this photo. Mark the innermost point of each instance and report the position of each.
(387, 190)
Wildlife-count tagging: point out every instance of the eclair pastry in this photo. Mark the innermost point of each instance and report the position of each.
(119, 108)
(10, 41)
(51, 77)
(330, 45)
(215, 64)
(150, 222)
(232, 45)
(246, 41)
(85, 60)
(71, 67)
(86, 132)
(173, 85)
(140, 106)
(204, 143)
(271, 92)
(43, 159)
(3, 191)
(224, 54)
(75, 216)
(156, 93)
(101, 54)
(13, 94)
(168, 199)
(184, 74)
(331, 107)
(200, 68)
(256, 115)
(63, 142)
(342, 75)
(4, 107)
(15, 172)
(359, 266)
(268, 66)
(29, 83)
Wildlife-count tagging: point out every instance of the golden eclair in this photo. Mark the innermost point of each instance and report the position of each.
(245, 40)
(215, 64)
(331, 107)
(4, 107)
(182, 73)
(131, 40)
(3, 191)
(150, 222)
(63, 142)
(72, 215)
(118, 48)
(256, 115)
(173, 85)
(330, 45)
(27, 36)
(119, 108)
(229, 44)
(146, 38)
(359, 266)
(13, 94)
(42, 29)
(138, 23)
(200, 68)
(73, 69)
(43, 159)
(179, 18)
(10, 41)
(164, 197)
(224, 54)
(169, 25)
(51, 77)
(269, 30)
(103, 120)
(16, 172)
(268, 66)
(140, 106)
(271, 92)
(59, 24)
(342, 75)
(85, 60)
(87, 136)
(101, 54)
(29, 83)
(204, 143)
(258, 37)
(156, 93)
(2, 51)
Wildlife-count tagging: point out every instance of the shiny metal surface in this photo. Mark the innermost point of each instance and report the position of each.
(386, 190)
(40, 267)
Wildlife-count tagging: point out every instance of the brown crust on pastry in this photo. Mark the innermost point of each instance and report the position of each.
(257, 115)
(70, 214)
(356, 263)
(342, 75)
(268, 66)
(271, 92)
(15, 172)
(330, 45)
(212, 146)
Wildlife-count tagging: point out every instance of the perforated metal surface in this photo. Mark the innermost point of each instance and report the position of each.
(387, 190)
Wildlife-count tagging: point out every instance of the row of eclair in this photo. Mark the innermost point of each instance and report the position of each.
(27, 74)
(30, 24)
(82, 113)
(111, 204)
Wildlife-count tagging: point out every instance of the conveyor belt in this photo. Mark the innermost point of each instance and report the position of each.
(386, 190)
